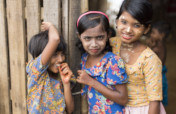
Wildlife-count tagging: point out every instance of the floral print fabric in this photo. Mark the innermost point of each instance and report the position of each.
(45, 95)
(109, 71)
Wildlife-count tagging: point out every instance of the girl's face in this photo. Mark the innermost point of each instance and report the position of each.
(129, 29)
(155, 35)
(56, 59)
(94, 40)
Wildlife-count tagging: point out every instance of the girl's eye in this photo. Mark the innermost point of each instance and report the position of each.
(100, 37)
(55, 55)
(62, 54)
(87, 38)
(137, 25)
(123, 21)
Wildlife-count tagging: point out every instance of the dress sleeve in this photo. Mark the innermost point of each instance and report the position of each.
(153, 77)
(116, 71)
(35, 68)
(112, 41)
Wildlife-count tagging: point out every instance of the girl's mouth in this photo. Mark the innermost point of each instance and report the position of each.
(94, 50)
(127, 37)
(58, 65)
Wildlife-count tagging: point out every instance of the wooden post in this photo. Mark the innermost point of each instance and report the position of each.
(33, 15)
(5, 107)
(65, 18)
(84, 5)
(17, 53)
(84, 103)
(52, 12)
(74, 54)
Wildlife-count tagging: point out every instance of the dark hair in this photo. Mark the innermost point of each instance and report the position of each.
(90, 21)
(113, 32)
(141, 10)
(162, 27)
(39, 41)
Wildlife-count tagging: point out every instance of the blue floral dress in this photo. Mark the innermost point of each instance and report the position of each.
(109, 71)
(45, 94)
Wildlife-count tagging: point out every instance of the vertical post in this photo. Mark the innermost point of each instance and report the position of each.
(84, 103)
(4, 73)
(33, 15)
(52, 12)
(65, 18)
(74, 54)
(17, 53)
(84, 5)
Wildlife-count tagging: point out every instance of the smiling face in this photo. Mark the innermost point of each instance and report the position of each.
(56, 59)
(129, 29)
(94, 40)
(155, 35)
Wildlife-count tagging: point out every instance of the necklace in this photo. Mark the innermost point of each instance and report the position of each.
(127, 50)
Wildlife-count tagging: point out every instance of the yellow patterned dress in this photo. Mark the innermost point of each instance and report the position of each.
(144, 77)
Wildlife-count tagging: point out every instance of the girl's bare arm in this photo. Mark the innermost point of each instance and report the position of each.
(154, 107)
(66, 74)
(53, 41)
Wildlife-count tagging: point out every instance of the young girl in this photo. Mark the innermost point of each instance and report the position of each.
(45, 91)
(157, 42)
(142, 65)
(102, 71)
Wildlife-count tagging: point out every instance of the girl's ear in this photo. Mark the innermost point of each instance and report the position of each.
(147, 29)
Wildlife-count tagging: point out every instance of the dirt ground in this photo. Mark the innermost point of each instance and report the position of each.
(171, 77)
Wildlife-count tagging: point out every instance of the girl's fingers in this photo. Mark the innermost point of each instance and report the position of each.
(79, 72)
(64, 65)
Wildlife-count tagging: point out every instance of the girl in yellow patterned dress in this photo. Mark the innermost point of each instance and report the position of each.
(143, 67)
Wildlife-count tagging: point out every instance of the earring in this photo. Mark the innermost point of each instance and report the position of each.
(116, 27)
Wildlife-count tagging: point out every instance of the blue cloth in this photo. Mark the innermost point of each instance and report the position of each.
(165, 86)
(109, 71)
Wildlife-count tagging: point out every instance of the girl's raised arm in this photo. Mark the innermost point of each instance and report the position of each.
(53, 41)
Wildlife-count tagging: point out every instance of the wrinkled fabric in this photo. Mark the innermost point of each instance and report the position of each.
(45, 94)
(109, 71)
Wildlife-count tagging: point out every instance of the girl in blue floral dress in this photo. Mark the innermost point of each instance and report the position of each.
(46, 93)
(103, 72)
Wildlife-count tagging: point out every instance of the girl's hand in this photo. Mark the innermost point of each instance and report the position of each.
(83, 77)
(46, 26)
(65, 73)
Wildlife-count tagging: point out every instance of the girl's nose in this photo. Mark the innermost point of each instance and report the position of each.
(128, 29)
(60, 58)
(93, 43)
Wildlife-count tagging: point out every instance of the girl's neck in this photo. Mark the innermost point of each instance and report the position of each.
(130, 46)
(93, 60)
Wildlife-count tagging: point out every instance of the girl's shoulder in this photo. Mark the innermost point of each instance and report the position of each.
(114, 59)
(149, 54)
(113, 56)
(36, 64)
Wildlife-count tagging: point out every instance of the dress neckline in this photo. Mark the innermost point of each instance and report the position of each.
(139, 57)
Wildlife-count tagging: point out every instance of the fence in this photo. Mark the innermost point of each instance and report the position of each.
(19, 20)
